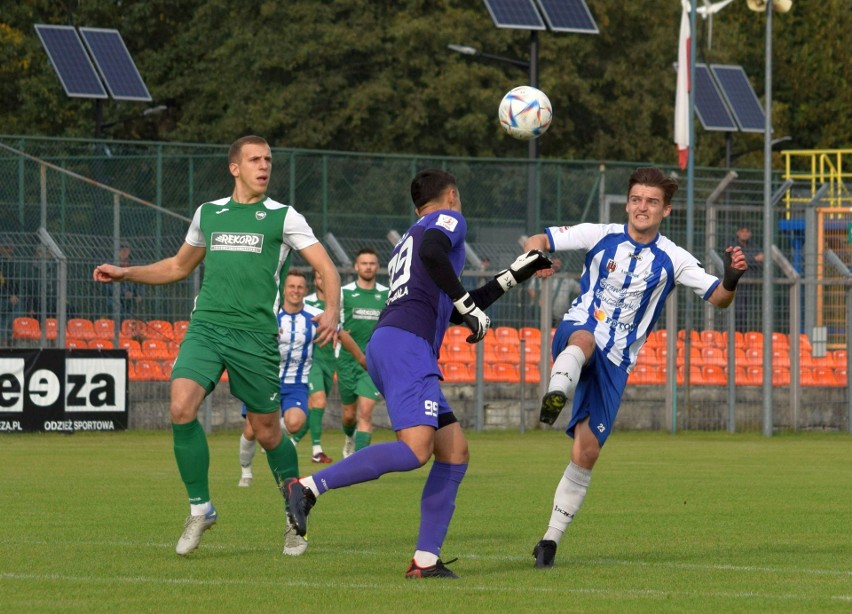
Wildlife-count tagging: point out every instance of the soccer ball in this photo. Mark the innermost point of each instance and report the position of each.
(525, 113)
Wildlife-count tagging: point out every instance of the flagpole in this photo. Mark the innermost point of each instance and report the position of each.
(690, 165)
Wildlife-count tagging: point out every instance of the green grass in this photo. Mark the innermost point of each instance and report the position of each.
(703, 522)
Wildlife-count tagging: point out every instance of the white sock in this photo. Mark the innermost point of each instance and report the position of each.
(425, 559)
(247, 450)
(308, 482)
(566, 370)
(567, 500)
(316, 450)
(200, 509)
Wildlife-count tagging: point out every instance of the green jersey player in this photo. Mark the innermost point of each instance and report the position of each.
(246, 241)
(361, 303)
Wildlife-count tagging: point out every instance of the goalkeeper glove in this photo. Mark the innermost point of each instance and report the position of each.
(522, 269)
(732, 275)
(474, 318)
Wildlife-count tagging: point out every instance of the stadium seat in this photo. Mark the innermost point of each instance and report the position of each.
(503, 372)
(507, 335)
(149, 371)
(532, 353)
(695, 358)
(134, 329)
(712, 338)
(26, 328)
(456, 333)
(101, 344)
(694, 337)
(712, 355)
(781, 376)
(80, 328)
(159, 329)
(131, 371)
(804, 342)
(532, 335)
(179, 329)
(646, 374)
(647, 355)
(712, 375)
(754, 356)
(134, 350)
(839, 357)
(155, 349)
(740, 357)
(456, 372)
(806, 377)
(51, 329)
(840, 376)
(456, 351)
(739, 340)
(754, 375)
(508, 352)
(225, 377)
(694, 375)
(824, 376)
(166, 367)
(780, 341)
(532, 374)
(781, 358)
(104, 328)
(74, 343)
(656, 338)
(753, 339)
(174, 348)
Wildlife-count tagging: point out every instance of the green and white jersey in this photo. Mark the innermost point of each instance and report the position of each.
(359, 311)
(248, 254)
(323, 354)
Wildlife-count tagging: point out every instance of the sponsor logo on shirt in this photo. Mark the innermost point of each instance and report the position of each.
(259, 215)
(360, 313)
(236, 242)
(447, 221)
(600, 316)
(221, 211)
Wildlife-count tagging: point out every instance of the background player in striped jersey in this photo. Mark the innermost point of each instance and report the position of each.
(629, 272)
(246, 241)
(402, 357)
(361, 303)
(320, 381)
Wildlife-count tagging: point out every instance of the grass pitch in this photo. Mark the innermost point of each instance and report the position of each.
(693, 522)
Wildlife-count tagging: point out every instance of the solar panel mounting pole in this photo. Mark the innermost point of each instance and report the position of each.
(534, 150)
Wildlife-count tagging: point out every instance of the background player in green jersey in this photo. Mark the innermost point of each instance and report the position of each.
(361, 303)
(246, 242)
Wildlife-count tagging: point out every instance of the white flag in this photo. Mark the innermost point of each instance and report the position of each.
(681, 121)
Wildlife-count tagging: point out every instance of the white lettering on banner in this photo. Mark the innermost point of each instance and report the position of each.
(44, 388)
(11, 386)
(10, 425)
(236, 242)
(79, 425)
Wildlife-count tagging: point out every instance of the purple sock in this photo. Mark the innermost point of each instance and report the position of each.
(438, 504)
(367, 464)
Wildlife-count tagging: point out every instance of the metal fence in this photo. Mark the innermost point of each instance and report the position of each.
(70, 205)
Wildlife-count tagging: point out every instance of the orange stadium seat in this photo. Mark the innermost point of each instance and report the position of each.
(712, 375)
(712, 355)
(456, 351)
(101, 344)
(159, 329)
(781, 376)
(532, 353)
(166, 367)
(104, 328)
(507, 335)
(712, 338)
(226, 378)
(781, 358)
(135, 329)
(456, 372)
(26, 328)
(503, 372)
(531, 373)
(508, 352)
(81, 328)
(532, 335)
(753, 339)
(74, 343)
(155, 349)
(179, 329)
(780, 341)
(456, 333)
(134, 350)
(840, 376)
(51, 328)
(149, 371)
(647, 355)
(174, 348)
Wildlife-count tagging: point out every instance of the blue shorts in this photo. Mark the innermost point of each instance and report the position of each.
(599, 391)
(404, 369)
(292, 396)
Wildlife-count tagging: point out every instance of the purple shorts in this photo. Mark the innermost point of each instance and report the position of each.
(404, 369)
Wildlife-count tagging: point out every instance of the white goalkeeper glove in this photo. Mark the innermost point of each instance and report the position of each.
(522, 269)
(474, 318)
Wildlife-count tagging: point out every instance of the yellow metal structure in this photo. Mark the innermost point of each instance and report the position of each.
(818, 167)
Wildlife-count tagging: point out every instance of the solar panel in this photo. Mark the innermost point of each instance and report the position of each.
(568, 16)
(740, 97)
(115, 64)
(69, 60)
(709, 105)
(520, 14)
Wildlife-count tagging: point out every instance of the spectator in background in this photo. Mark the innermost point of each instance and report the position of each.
(131, 294)
(748, 295)
(11, 304)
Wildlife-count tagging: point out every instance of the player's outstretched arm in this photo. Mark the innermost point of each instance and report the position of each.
(525, 266)
(735, 267)
(166, 271)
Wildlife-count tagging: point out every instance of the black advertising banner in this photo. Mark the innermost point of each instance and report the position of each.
(63, 390)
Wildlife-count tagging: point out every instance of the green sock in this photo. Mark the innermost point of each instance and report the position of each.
(193, 459)
(315, 420)
(297, 437)
(283, 460)
(362, 439)
(349, 429)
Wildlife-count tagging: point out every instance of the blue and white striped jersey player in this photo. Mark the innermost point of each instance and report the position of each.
(402, 355)
(628, 273)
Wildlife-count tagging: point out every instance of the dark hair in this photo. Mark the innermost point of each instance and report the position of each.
(236, 150)
(296, 273)
(366, 250)
(655, 178)
(429, 184)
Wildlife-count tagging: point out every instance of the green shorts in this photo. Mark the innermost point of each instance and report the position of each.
(251, 358)
(321, 377)
(353, 382)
